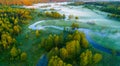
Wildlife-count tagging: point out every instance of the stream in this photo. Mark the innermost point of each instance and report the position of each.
(43, 60)
(85, 15)
(86, 31)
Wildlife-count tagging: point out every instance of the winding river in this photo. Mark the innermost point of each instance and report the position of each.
(86, 31)
(85, 15)
(43, 60)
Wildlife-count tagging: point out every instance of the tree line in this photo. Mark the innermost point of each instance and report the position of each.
(111, 7)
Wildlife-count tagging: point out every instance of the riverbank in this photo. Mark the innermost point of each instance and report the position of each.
(102, 33)
(102, 23)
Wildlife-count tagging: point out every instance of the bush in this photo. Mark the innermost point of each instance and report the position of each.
(23, 56)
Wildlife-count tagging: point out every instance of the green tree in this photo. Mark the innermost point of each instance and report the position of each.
(69, 37)
(83, 59)
(56, 61)
(16, 29)
(14, 52)
(76, 17)
(74, 25)
(76, 35)
(73, 48)
(56, 40)
(84, 43)
(86, 58)
(63, 53)
(16, 21)
(61, 40)
(68, 65)
(97, 57)
(37, 33)
(89, 55)
(9, 39)
(4, 43)
(53, 52)
(23, 56)
(48, 43)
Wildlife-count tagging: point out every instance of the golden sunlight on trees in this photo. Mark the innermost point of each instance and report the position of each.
(37, 33)
(84, 43)
(73, 47)
(54, 15)
(56, 61)
(66, 51)
(16, 29)
(97, 57)
(76, 35)
(6, 40)
(53, 52)
(9, 39)
(15, 21)
(14, 52)
(11, 20)
(63, 53)
(86, 58)
(23, 56)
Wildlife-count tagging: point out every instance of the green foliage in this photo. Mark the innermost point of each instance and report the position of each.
(76, 17)
(56, 61)
(113, 8)
(63, 53)
(6, 40)
(56, 40)
(73, 46)
(69, 48)
(75, 25)
(85, 43)
(86, 58)
(53, 52)
(37, 33)
(14, 52)
(48, 43)
(52, 41)
(16, 29)
(69, 37)
(76, 35)
(55, 15)
(97, 57)
(11, 20)
(23, 56)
